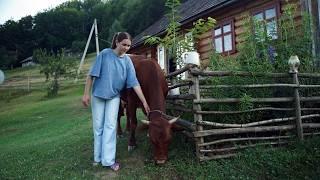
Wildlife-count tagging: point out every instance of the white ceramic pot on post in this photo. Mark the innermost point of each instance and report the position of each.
(191, 57)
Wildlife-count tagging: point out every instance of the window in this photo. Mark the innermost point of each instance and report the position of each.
(266, 22)
(161, 56)
(223, 38)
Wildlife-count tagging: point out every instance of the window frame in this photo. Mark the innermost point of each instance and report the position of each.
(263, 9)
(161, 56)
(232, 32)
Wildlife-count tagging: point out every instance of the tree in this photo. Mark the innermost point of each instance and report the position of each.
(54, 66)
(58, 28)
(116, 27)
(10, 35)
(25, 41)
(68, 25)
(140, 14)
(5, 59)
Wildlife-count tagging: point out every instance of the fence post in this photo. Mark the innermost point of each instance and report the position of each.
(294, 64)
(197, 117)
(28, 82)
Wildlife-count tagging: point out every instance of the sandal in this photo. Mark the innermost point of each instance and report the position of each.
(115, 167)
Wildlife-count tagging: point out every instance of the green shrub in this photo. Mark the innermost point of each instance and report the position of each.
(259, 52)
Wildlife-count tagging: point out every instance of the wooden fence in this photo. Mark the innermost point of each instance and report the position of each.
(278, 111)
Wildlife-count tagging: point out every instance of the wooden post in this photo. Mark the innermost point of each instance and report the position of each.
(297, 106)
(97, 38)
(197, 117)
(294, 64)
(86, 48)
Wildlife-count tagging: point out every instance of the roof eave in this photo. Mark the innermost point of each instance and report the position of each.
(191, 19)
(209, 11)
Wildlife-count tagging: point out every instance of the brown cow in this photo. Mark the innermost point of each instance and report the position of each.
(155, 90)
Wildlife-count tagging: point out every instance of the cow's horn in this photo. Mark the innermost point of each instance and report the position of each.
(145, 122)
(174, 120)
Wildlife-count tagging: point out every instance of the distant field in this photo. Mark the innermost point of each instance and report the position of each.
(30, 77)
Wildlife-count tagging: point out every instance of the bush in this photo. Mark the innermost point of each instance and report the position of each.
(261, 52)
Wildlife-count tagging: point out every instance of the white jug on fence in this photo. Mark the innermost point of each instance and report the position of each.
(191, 57)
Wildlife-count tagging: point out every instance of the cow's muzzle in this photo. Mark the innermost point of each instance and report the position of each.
(160, 162)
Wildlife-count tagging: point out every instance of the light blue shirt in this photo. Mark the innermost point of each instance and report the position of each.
(112, 74)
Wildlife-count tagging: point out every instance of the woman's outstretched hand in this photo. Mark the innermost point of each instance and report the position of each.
(86, 100)
(146, 107)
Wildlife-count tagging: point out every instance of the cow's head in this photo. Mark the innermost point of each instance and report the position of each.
(160, 135)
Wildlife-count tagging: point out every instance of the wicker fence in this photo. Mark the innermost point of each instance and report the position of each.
(281, 111)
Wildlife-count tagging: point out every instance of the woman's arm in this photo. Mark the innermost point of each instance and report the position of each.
(86, 94)
(139, 92)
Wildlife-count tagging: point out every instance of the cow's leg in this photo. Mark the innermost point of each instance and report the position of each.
(128, 121)
(131, 114)
(120, 113)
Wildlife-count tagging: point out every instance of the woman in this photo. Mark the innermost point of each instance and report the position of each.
(112, 71)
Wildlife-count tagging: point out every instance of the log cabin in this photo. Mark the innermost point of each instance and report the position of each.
(225, 37)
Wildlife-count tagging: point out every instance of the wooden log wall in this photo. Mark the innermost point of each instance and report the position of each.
(238, 13)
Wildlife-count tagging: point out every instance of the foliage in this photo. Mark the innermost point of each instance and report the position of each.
(69, 24)
(78, 46)
(261, 52)
(115, 27)
(54, 66)
(139, 14)
(245, 102)
(221, 63)
(174, 40)
(17, 39)
(5, 58)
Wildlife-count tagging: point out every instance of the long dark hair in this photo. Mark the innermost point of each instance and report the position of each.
(118, 37)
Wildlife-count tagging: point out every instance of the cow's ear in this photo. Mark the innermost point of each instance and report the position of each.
(145, 122)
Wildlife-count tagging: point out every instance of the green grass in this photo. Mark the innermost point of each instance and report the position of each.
(51, 138)
(44, 138)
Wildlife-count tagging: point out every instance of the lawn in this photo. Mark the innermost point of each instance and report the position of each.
(43, 138)
(51, 138)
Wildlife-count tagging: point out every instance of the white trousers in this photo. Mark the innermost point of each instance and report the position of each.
(104, 116)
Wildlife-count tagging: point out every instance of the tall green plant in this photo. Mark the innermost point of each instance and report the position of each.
(174, 40)
(259, 52)
(264, 51)
(254, 50)
(295, 40)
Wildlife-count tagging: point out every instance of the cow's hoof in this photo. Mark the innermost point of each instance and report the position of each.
(131, 148)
